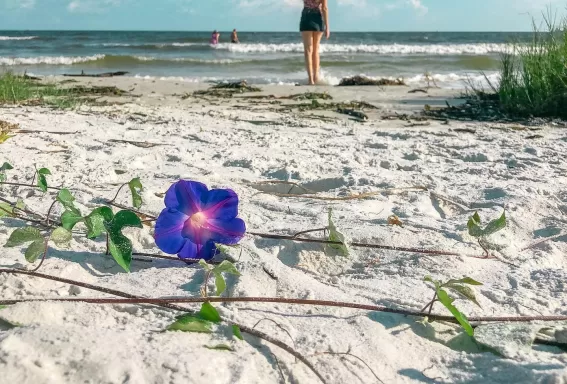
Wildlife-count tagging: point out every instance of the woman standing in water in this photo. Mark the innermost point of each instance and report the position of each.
(314, 21)
(215, 37)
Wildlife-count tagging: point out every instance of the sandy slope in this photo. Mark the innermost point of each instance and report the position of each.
(223, 147)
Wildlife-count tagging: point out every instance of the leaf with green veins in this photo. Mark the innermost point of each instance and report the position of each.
(41, 180)
(336, 236)
(95, 221)
(119, 245)
(190, 323)
(209, 313)
(6, 210)
(136, 187)
(23, 235)
(36, 249)
(446, 300)
(474, 226)
(220, 347)
(66, 199)
(464, 291)
(70, 218)
(495, 225)
(61, 236)
(226, 267)
(236, 332)
(205, 265)
(464, 280)
(220, 283)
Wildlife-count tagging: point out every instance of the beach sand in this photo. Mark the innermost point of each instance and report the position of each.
(241, 143)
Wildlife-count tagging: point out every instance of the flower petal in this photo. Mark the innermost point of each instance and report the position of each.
(186, 196)
(169, 226)
(198, 251)
(221, 204)
(227, 232)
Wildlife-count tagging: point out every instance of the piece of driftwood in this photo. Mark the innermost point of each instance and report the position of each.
(105, 74)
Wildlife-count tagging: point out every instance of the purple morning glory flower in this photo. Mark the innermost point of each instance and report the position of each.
(195, 219)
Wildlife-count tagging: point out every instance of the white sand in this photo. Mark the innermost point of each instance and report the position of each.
(488, 170)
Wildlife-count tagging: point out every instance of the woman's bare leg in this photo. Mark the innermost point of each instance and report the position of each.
(316, 61)
(308, 50)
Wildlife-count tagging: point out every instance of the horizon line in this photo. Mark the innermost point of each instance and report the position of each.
(252, 31)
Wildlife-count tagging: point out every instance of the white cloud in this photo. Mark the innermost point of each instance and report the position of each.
(91, 6)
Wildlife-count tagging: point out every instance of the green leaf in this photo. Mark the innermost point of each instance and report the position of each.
(3, 169)
(23, 235)
(205, 266)
(61, 236)
(444, 298)
(6, 210)
(209, 313)
(44, 171)
(220, 283)
(70, 218)
(119, 245)
(190, 323)
(4, 136)
(41, 180)
(336, 236)
(135, 188)
(226, 267)
(220, 347)
(429, 279)
(495, 225)
(474, 226)
(6, 167)
(236, 332)
(464, 291)
(20, 204)
(66, 199)
(35, 250)
(95, 221)
(464, 280)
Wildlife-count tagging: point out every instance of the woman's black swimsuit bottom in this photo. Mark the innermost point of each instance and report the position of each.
(311, 21)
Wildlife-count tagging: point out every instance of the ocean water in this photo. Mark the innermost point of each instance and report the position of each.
(261, 58)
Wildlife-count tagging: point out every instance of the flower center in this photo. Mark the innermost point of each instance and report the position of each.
(198, 220)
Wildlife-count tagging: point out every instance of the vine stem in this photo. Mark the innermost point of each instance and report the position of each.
(126, 296)
(26, 185)
(279, 300)
(45, 248)
(117, 193)
(49, 211)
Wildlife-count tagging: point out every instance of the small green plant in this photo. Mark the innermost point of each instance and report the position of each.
(220, 283)
(5, 167)
(41, 179)
(482, 234)
(460, 287)
(336, 236)
(38, 241)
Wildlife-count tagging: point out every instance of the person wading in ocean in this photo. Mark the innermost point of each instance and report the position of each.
(314, 22)
(234, 37)
(215, 37)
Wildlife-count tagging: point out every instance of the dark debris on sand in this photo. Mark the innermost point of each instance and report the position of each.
(363, 80)
(485, 107)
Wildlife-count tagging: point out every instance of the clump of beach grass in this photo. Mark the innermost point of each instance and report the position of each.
(533, 76)
(17, 89)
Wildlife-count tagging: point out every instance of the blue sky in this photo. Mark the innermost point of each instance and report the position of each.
(273, 15)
